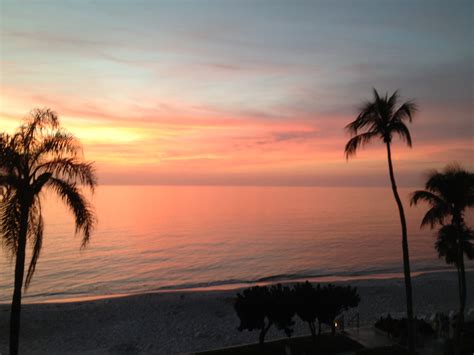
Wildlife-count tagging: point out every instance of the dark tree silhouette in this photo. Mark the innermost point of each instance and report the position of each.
(382, 118)
(449, 193)
(308, 305)
(252, 309)
(37, 156)
(260, 307)
(334, 300)
(281, 308)
(447, 246)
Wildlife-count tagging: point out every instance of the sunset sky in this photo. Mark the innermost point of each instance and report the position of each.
(241, 92)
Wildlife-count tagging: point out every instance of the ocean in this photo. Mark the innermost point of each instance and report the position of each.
(152, 238)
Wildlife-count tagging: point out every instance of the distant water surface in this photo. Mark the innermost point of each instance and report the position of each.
(164, 237)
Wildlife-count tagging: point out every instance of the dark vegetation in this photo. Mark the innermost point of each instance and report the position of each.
(334, 300)
(260, 307)
(465, 346)
(39, 156)
(327, 344)
(308, 305)
(449, 193)
(282, 309)
(397, 328)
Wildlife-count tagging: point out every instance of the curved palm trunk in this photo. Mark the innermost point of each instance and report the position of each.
(406, 258)
(19, 275)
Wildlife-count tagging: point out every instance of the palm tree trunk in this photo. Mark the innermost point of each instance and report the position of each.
(458, 268)
(462, 300)
(457, 221)
(406, 258)
(19, 274)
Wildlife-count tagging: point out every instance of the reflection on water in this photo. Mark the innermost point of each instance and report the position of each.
(152, 237)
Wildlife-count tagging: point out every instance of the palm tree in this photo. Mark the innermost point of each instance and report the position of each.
(447, 246)
(39, 155)
(382, 118)
(449, 193)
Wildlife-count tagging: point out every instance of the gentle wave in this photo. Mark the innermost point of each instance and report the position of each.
(183, 238)
(382, 273)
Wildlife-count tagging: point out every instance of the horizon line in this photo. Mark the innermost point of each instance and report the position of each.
(247, 185)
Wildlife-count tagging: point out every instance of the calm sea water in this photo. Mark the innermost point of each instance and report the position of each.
(164, 237)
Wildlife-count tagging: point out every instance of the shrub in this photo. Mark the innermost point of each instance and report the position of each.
(252, 308)
(258, 308)
(281, 309)
(307, 305)
(334, 300)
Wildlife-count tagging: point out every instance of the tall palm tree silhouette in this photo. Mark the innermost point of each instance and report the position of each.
(37, 156)
(382, 118)
(449, 193)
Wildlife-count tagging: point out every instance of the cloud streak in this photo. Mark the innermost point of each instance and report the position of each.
(236, 92)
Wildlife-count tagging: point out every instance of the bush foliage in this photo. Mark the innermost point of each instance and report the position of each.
(260, 307)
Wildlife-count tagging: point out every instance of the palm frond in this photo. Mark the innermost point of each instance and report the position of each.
(392, 101)
(405, 112)
(57, 144)
(70, 169)
(426, 196)
(402, 130)
(10, 221)
(35, 234)
(83, 213)
(378, 117)
(357, 141)
(376, 95)
(383, 107)
(435, 215)
(450, 238)
(367, 117)
(447, 244)
(454, 185)
(10, 157)
(8, 181)
(468, 243)
(44, 117)
(39, 182)
(436, 182)
(38, 120)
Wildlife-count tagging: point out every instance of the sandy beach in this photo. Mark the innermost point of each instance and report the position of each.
(181, 322)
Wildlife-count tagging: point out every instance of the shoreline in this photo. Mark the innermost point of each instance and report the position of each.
(177, 322)
(241, 285)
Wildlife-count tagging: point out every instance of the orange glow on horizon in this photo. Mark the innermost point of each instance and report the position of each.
(200, 141)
